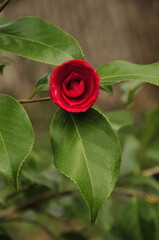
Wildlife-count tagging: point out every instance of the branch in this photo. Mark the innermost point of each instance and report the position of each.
(48, 196)
(23, 101)
(23, 189)
(151, 171)
(31, 204)
(136, 193)
(4, 4)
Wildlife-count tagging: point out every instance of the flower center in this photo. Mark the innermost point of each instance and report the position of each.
(73, 86)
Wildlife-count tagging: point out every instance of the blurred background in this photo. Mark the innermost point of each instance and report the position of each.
(106, 30)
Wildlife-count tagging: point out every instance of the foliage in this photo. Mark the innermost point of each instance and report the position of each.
(86, 149)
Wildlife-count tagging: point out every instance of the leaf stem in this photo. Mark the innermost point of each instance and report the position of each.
(4, 4)
(23, 101)
(33, 93)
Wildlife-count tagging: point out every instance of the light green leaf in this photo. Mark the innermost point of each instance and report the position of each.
(16, 137)
(39, 40)
(87, 150)
(120, 118)
(118, 71)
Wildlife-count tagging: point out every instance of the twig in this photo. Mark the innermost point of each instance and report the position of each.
(23, 101)
(31, 203)
(151, 171)
(35, 222)
(23, 189)
(4, 4)
(136, 193)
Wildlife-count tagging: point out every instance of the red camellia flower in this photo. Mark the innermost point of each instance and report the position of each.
(74, 86)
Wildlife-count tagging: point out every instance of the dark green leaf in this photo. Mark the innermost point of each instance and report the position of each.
(108, 89)
(4, 60)
(43, 83)
(16, 137)
(144, 182)
(4, 237)
(130, 155)
(41, 86)
(120, 118)
(152, 152)
(149, 131)
(72, 236)
(87, 150)
(118, 71)
(138, 221)
(41, 172)
(39, 40)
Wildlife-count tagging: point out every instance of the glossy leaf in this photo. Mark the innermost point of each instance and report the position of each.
(39, 40)
(16, 137)
(118, 71)
(87, 150)
(120, 118)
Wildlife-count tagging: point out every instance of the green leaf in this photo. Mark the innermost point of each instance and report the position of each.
(39, 40)
(4, 61)
(86, 149)
(150, 126)
(41, 172)
(130, 155)
(129, 90)
(41, 86)
(118, 71)
(138, 221)
(120, 118)
(149, 136)
(16, 137)
(3, 20)
(72, 236)
(43, 83)
(142, 182)
(108, 89)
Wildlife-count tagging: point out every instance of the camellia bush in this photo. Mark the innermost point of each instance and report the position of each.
(88, 145)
